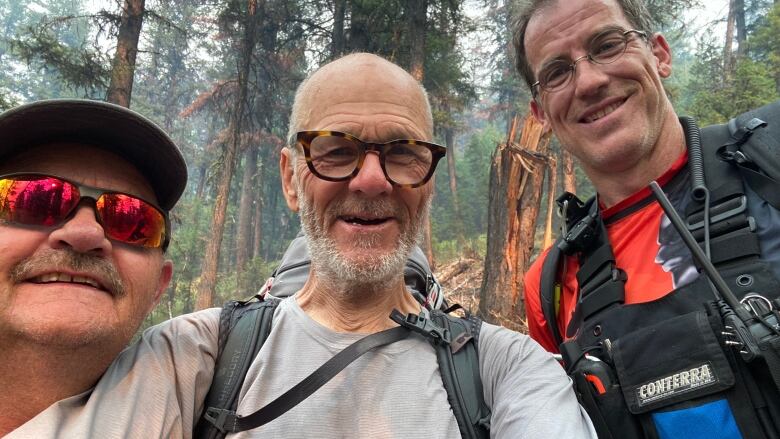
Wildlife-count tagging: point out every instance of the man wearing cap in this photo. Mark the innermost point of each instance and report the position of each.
(85, 190)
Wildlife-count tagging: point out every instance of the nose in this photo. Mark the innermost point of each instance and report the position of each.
(81, 233)
(371, 180)
(589, 77)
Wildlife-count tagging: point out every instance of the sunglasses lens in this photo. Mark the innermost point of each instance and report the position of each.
(130, 220)
(36, 200)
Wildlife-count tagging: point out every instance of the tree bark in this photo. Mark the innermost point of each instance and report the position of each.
(739, 23)
(245, 210)
(337, 46)
(208, 278)
(728, 44)
(552, 183)
(516, 180)
(449, 138)
(257, 220)
(569, 175)
(120, 88)
(359, 29)
(416, 22)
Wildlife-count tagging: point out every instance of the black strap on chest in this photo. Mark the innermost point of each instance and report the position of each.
(725, 163)
(731, 228)
(244, 327)
(601, 281)
(229, 421)
(456, 342)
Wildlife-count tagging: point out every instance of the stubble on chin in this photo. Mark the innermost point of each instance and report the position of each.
(370, 271)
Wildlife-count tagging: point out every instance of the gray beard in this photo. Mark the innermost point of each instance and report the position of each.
(373, 273)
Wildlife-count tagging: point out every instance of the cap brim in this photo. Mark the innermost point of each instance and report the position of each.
(111, 127)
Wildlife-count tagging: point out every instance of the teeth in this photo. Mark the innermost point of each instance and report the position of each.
(85, 280)
(63, 277)
(609, 109)
(50, 277)
(364, 220)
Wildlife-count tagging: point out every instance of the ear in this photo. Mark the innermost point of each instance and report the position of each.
(538, 112)
(166, 273)
(288, 185)
(663, 55)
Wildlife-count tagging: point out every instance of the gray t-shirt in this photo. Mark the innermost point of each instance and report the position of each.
(393, 392)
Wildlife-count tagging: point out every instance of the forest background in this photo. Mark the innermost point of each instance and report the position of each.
(219, 76)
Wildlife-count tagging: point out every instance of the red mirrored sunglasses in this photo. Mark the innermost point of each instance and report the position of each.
(45, 200)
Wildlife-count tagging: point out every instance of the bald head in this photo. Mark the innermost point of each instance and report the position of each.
(364, 79)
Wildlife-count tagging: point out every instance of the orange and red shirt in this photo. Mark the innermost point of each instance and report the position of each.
(645, 246)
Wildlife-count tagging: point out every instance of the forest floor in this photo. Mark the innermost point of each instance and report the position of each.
(461, 280)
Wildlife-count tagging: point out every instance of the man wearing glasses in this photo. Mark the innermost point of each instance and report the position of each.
(358, 169)
(624, 300)
(363, 196)
(85, 190)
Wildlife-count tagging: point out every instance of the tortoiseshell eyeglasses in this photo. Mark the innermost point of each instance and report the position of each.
(337, 156)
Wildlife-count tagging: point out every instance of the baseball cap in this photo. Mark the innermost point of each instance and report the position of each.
(111, 127)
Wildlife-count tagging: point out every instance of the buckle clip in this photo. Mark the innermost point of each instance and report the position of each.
(421, 325)
(720, 211)
(220, 417)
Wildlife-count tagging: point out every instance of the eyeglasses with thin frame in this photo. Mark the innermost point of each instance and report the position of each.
(337, 156)
(35, 199)
(606, 48)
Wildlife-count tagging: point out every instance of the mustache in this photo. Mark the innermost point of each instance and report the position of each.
(68, 260)
(382, 207)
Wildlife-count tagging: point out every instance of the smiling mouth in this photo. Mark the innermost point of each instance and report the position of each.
(66, 278)
(603, 112)
(360, 221)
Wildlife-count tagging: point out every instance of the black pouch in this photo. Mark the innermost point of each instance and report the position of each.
(673, 361)
(677, 379)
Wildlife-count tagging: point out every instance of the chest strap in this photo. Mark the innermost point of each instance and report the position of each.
(732, 230)
(601, 282)
(229, 421)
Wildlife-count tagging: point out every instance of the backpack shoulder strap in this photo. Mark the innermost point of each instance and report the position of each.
(459, 368)
(582, 232)
(550, 290)
(243, 328)
(753, 147)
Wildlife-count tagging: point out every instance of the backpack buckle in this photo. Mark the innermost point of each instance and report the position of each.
(219, 417)
(579, 237)
(719, 211)
(421, 325)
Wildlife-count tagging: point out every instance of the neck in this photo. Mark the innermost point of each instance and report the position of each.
(34, 377)
(617, 185)
(355, 308)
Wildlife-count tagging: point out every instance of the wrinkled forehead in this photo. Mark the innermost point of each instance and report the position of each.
(564, 25)
(85, 164)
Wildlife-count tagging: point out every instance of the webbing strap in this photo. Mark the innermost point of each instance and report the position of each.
(547, 286)
(732, 230)
(734, 246)
(229, 421)
(602, 283)
(764, 185)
